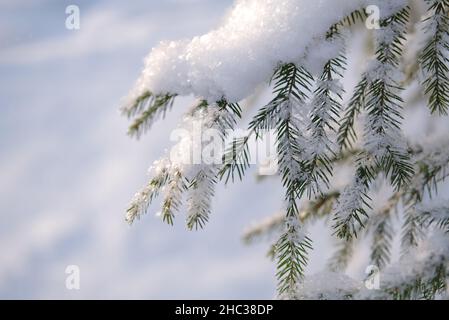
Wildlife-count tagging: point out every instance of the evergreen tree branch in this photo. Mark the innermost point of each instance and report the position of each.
(346, 133)
(145, 110)
(172, 199)
(383, 103)
(291, 253)
(434, 60)
(143, 198)
(382, 242)
(352, 205)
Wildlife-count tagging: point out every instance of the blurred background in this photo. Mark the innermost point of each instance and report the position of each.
(68, 169)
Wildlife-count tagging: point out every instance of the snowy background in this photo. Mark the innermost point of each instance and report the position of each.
(68, 169)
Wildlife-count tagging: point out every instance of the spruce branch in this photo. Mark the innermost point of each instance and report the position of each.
(290, 89)
(384, 105)
(143, 198)
(382, 242)
(172, 196)
(411, 230)
(291, 253)
(291, 85)
(145, 110)
(350, 20)
(312, 210)
(434, 59)
(326, 106)
(235, 159)
(201, 191)
(353, 203)
(378, 93)
(434, 215)
(346, 133)
(431, 171)
(381, 225)
(428, 277)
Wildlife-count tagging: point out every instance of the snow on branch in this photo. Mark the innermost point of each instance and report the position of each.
(420, 274)
(328, 285)
(436, 214)
(255, 37)
(177, 174)
(434, 59)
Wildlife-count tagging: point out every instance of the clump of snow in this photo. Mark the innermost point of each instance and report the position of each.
(351, 199)
(421, 260)
(296, 232)
(328, 285)
(257, 35)
(419, 263)
(437, 209)
(319, 51)
(436, 156)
